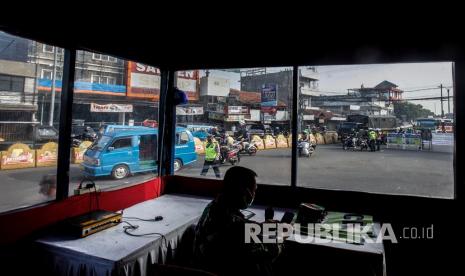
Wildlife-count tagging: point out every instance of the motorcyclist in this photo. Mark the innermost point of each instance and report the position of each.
(242, 133)
(215, 133)
(229, 141)
(305, 137)
(350, 138)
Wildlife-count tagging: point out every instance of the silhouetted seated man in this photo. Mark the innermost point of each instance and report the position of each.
(219, 244)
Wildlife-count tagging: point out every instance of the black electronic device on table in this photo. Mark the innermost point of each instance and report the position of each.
(93, 222)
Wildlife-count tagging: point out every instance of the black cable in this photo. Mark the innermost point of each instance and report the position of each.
(130, 226)
(136, 218)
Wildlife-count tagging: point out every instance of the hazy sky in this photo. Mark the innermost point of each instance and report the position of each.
(408, 76)
(337, 79)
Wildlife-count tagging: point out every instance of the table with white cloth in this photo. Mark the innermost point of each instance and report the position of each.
(113, 252)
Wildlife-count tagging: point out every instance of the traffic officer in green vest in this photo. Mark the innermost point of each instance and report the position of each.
(372, 139)
(212, 154)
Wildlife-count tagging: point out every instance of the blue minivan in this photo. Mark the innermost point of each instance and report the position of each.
(123, 152)
(106, 129)
(200, 131)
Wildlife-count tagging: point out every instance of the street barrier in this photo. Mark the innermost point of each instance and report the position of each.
(289, 140)
(77, 153)
(405, 141)
(330, 137)
(18, 156)
(270, 142)
(319, 139)
(47, 155)
(443, 142)
(281, 141)
(258, 142)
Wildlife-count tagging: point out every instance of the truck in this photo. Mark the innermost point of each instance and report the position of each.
(357, 122)
(374, 121)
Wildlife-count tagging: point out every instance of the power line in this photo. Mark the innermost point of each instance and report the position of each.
(427, 98)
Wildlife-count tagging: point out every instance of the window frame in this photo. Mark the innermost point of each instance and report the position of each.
(46, 70)
(96, 54)
(167, 128)
(120, 139)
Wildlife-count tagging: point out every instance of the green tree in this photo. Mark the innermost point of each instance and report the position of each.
(409, 111)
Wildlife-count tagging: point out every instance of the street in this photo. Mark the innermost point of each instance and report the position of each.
(420, 173)
(389, 171)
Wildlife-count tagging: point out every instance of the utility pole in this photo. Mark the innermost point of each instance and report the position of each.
(448, 101)
(52, 100)
(442, 100)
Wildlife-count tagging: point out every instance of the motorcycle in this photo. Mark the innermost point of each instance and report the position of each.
(246, 147)
(229, 154)
(349, 142)
(75, 143)
(305, 149)
(363, 144)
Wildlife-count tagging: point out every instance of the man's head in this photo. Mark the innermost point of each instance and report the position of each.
(239, 187)
(210, 138)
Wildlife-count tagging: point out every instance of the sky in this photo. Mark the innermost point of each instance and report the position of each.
(336, 79)
(408, 76)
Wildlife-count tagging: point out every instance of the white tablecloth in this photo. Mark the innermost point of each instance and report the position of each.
(112, 252)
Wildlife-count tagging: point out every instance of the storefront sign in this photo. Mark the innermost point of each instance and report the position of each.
(237, 110)
(143, 81)
(216, 116)
(236, 118)
(189, 110)
(269, 95)
(118, 108)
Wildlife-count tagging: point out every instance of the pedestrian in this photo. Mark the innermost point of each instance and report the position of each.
(212, 154)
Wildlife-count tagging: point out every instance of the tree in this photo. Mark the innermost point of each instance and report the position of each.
(409, 111)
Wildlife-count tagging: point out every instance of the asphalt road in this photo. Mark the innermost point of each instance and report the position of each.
(420, 173)
(389, 171)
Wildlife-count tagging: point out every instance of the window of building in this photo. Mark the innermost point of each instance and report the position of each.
(11, 83)
(48, 48)
(104, 57)
(46, 74)
(103, 79)
(96, 56)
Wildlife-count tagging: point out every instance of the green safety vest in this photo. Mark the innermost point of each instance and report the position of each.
(372, 135)
(210, 151)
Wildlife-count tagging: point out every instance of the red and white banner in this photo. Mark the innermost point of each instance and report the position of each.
(143, 81)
